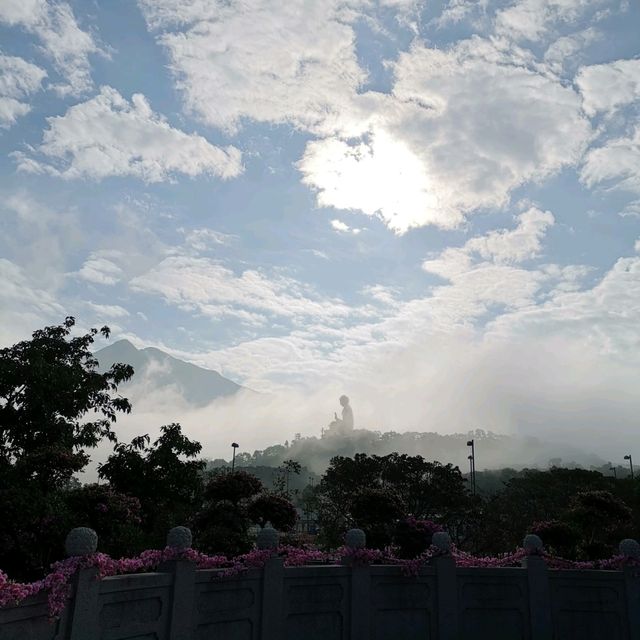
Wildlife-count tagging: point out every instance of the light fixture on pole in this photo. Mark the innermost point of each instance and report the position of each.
(628, 457)
(615, 473)
(235, 445)
(472, 465)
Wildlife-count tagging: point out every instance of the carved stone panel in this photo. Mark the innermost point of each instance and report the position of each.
(402, 624)
(227, 630)
(315, 626)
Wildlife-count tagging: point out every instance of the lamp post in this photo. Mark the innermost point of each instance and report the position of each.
(615, 473)
(472, 465)
(628, 457)
(235, 445)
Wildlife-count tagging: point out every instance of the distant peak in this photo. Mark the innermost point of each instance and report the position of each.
(124, 343)
(119, 347)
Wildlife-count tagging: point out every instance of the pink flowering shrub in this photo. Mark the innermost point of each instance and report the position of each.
(58, 582)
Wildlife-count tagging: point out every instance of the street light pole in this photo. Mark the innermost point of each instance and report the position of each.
(472, 464)
(615, 473)
(235, 445)
(628, 457)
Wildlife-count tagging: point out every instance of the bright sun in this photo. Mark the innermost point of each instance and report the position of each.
(381, 176)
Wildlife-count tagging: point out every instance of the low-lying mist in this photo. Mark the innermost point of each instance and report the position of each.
(553, 398)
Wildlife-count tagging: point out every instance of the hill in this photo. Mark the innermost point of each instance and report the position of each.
(197, 385)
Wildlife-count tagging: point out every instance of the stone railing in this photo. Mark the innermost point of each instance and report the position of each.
(338, 602)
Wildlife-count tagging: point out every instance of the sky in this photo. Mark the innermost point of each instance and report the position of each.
(433, 207)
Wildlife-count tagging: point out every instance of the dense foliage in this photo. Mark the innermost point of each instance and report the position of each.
(375, 492)
(56, 405)
(163, 476)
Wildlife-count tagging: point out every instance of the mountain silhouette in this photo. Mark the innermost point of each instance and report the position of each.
(198, 386)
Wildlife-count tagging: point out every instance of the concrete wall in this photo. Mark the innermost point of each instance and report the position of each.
(341, 603)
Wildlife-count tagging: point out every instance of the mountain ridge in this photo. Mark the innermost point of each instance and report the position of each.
(198, 386)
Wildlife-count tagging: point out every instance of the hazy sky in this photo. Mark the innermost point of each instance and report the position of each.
(433, 206)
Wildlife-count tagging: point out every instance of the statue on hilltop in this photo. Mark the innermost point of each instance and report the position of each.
(344, 425)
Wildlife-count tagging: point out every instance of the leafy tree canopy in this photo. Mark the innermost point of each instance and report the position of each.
(54, 403)
(234, 486)
(276, 509)
(162, 475)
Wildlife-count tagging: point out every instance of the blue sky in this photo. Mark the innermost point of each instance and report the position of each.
(434, 203)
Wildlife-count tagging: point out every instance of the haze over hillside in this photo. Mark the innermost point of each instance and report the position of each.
(216, 411)
(160, 371)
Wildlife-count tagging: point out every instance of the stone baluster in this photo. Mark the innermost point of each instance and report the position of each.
(446, 586)
(83, 616)
(631, 550)
(272, 585)
(539, 590)
(360, 587)
(183, 596)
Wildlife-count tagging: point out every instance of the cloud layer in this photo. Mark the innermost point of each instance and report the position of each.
(110, 136)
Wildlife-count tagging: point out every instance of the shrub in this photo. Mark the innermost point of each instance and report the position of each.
(413, 536)
(268, 507)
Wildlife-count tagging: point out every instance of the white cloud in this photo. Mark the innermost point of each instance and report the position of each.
(617, 162)
(212, 289)
(533, 19)
(631, 210)
(482, 274)
(383, 177)
(342, 227)
(109, 136)
(100, 268)
(200, 240)
(517, 245)
(40, 237)
(18, 80)
(107, 310)
(604, 317)
(465, 127)
(490, 120)
(271, 62)
(606, 87)
(384, 294)
(338, 225)
(567, 51)
(62, 40)
(456, 11)
(23, 303)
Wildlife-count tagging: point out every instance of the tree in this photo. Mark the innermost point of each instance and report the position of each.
(55, 404)
(602, 521)
(425, 489)
(281, 481)
(163, 476)
(377, 511)
(532, 497)
(234, 486)
(114, 516)
(276, 509)
(221, 525)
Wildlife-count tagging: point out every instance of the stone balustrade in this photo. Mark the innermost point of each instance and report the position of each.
(338, 602)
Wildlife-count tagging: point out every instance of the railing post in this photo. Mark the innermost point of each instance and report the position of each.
(182, 610)
(631, 549)
(539, 591)
(360, 588)
(272, 586)
(446, 587)
(84, 615)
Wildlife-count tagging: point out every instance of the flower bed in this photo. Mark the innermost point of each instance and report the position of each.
(58, 582)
